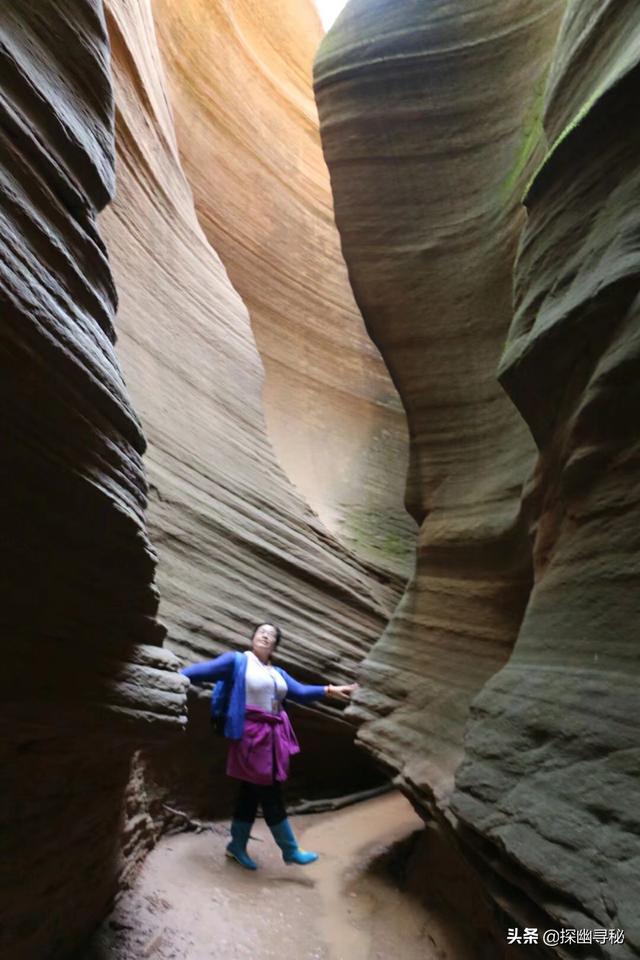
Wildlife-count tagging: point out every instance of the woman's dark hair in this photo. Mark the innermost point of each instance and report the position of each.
(267, 623)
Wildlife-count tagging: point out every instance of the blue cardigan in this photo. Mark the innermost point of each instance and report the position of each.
(231, 668)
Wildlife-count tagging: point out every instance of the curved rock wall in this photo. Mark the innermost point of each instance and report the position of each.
(551, 775)
(433, 122)
(236, 542)
(83, 676)
(88, 680)
(429, 122)
(434, 119)
(239, 80)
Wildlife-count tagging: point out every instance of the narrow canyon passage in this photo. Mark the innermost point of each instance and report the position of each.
(337, 334)
(191, 902)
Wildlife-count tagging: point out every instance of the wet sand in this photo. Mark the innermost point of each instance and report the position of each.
(192, 903)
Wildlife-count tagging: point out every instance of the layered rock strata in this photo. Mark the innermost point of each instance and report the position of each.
(90, 681)
(433, 121)
(550, 783)
(429, 121)
(239, 80)
(84, 678)
(236, 543)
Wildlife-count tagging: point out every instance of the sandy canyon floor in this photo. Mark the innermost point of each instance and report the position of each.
(191, 903)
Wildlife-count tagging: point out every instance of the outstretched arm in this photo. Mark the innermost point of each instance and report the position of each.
(211, 670)
(307, 693)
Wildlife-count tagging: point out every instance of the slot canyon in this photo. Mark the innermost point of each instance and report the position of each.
(337, 331)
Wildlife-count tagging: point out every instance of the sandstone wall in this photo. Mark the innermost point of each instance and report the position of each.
(551, 774)
(239, 81)
(89, 682)
(236, 542)
(423, 110)
(84, 679)
(434, 120)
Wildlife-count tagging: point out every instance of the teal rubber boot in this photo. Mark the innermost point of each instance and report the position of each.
(237, 849)
(291, 852)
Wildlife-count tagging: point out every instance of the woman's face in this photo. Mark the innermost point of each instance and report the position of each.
(264, 639)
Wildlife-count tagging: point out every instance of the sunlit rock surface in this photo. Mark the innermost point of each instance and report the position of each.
(83, 677)
(239, 81)
(434, 122)
(551, 777)
(236, 542)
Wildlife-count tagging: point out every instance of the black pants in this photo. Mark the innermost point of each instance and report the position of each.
(268, 796)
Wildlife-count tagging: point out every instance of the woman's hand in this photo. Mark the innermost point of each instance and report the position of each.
(341, 693)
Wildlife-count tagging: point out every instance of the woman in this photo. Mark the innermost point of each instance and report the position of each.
(248, 699)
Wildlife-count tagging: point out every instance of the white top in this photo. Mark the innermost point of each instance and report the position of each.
(264, 686)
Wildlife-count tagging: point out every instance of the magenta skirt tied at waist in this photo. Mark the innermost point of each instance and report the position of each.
(262, 755)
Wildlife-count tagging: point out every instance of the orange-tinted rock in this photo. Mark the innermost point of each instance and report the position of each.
(236, 543)
(87, 678)
(239, 80)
